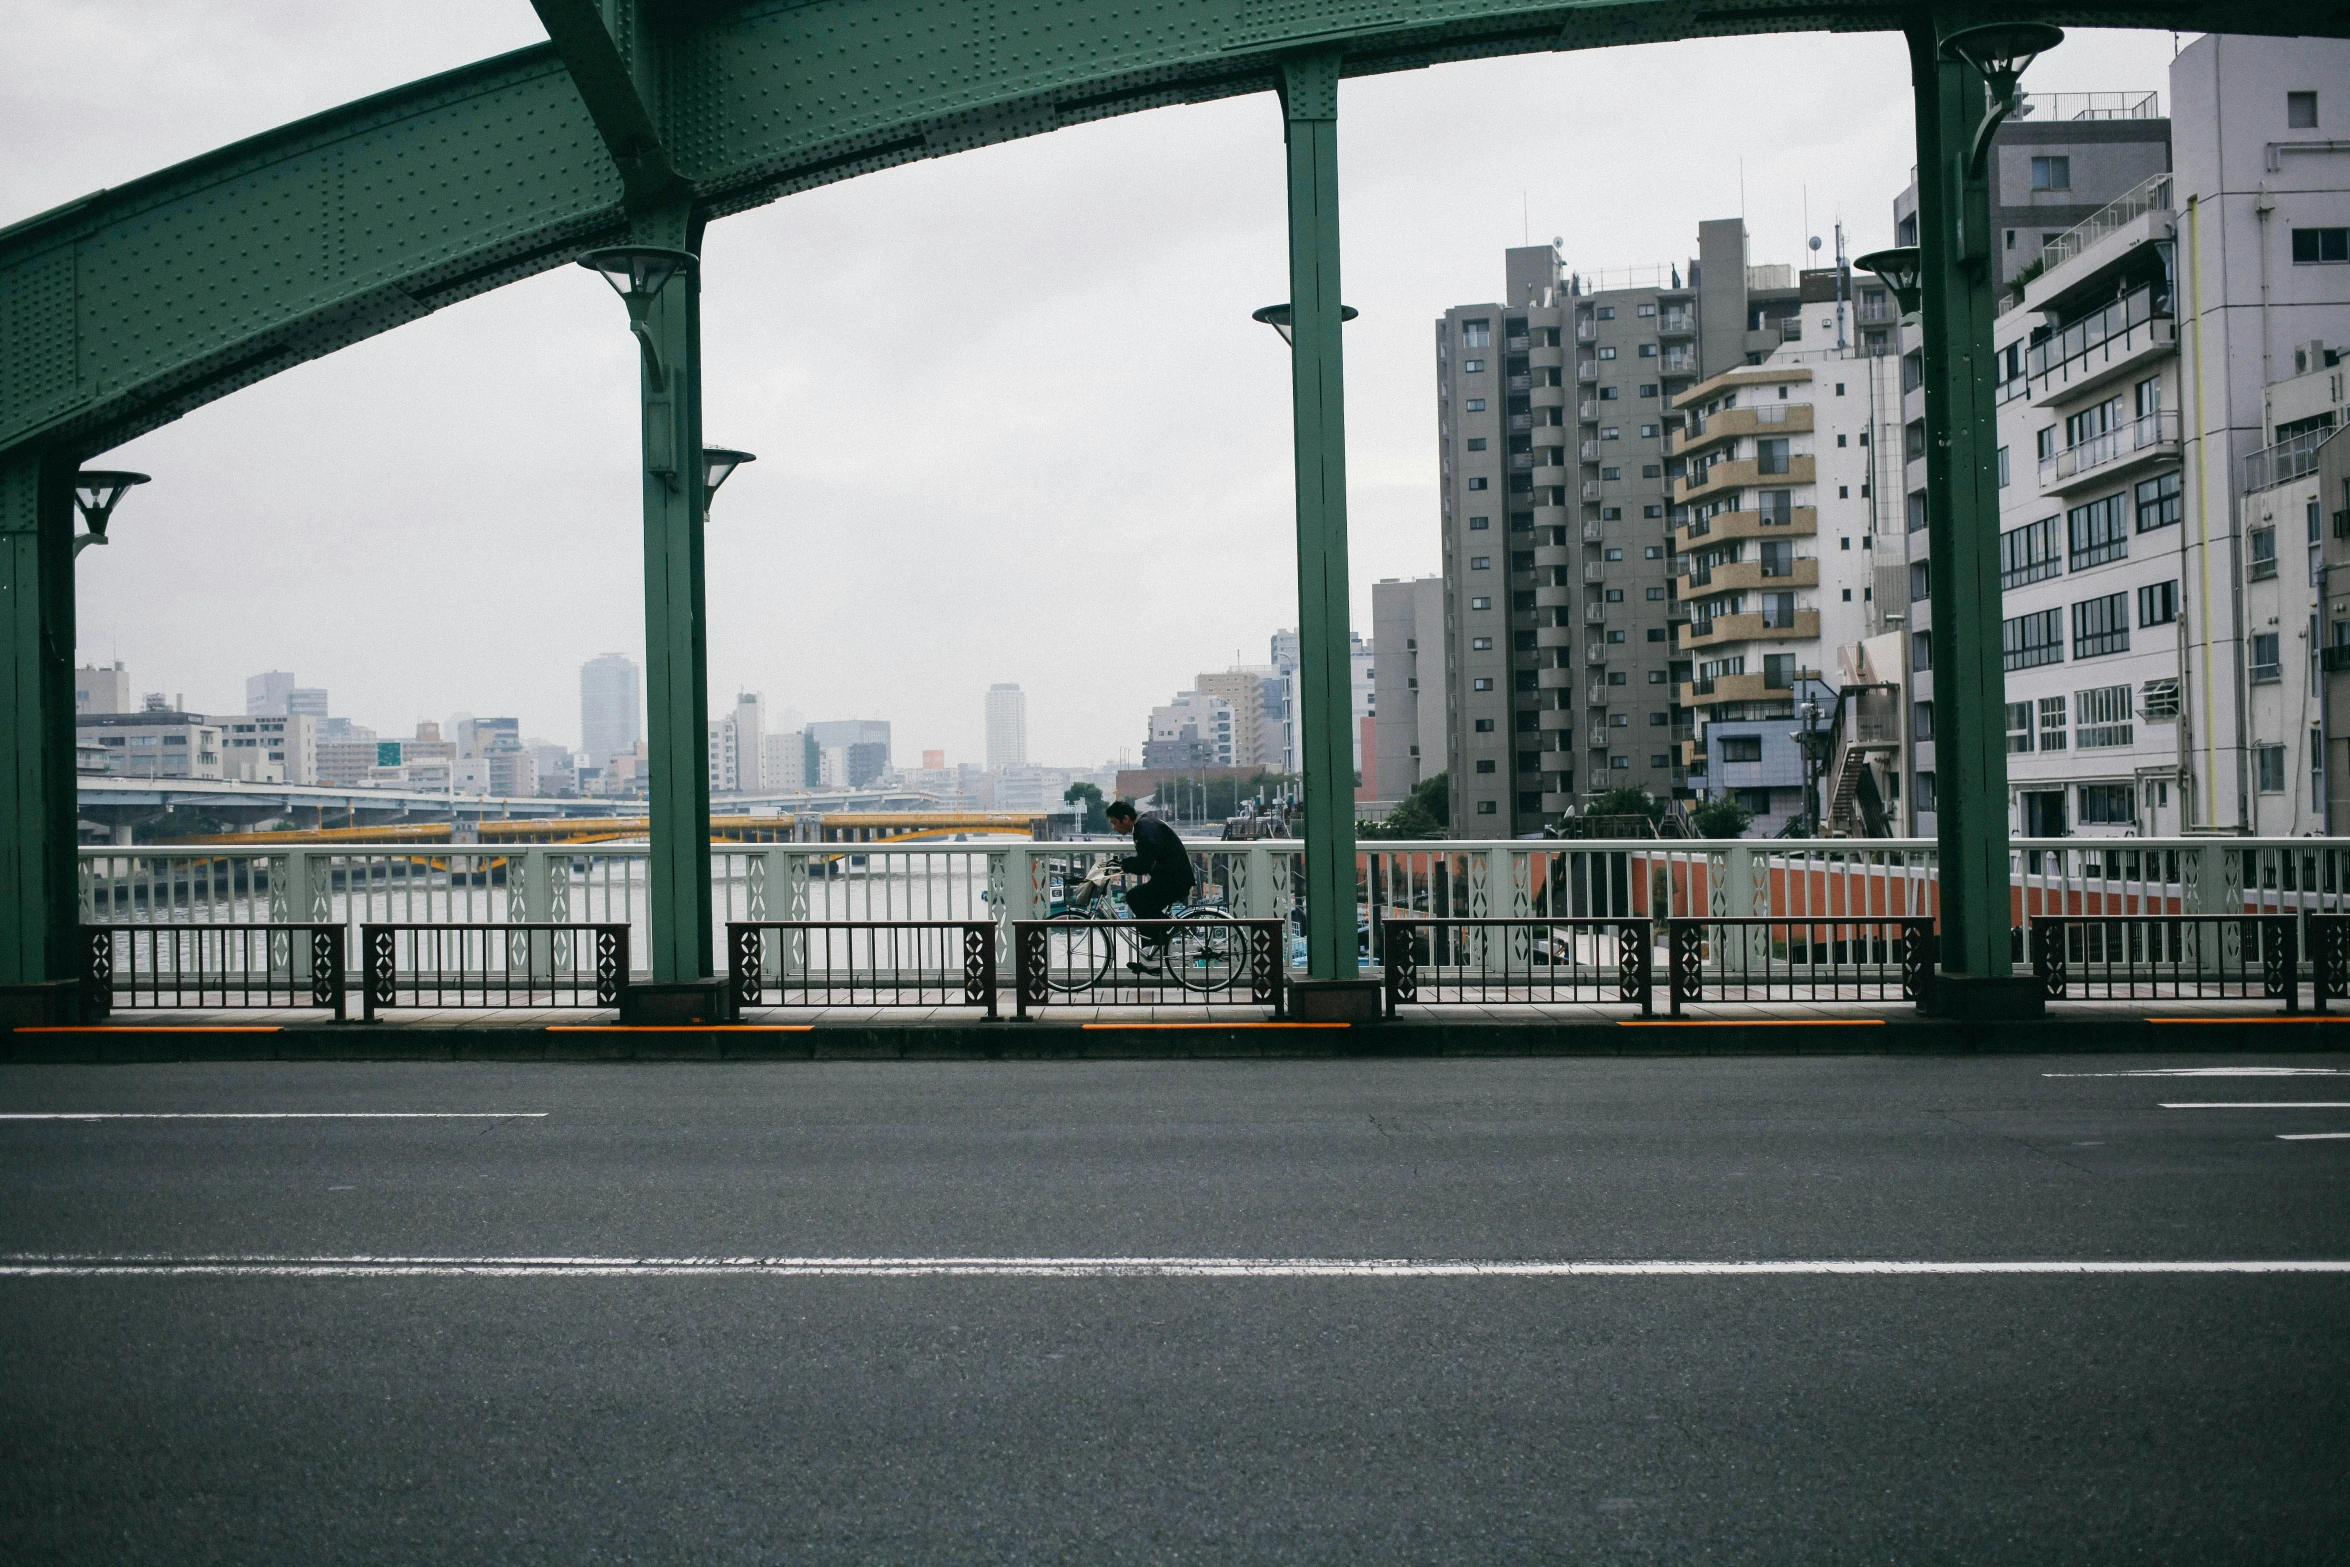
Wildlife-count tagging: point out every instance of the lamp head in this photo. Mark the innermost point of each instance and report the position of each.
(638, 273)
(97, 491)
(2001, 51)
(1902, 268)
(1277, 317)
(717, 463)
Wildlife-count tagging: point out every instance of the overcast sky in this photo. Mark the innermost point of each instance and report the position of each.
(1013, 420)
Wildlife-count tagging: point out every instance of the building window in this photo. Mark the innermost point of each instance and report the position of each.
(2109, 805)
(1655, 594)
(1648, 388)
(1925, 780)
(1484, 726)
(1481, 683)
(1476, 443)
(1480, 484)
(1479, 524)
(1611, 514)
(2019, 728)
(2267, 667)
(2004, 474)
(2301, 111)
(1653, 552)
(1611, 473)
(1485, 765)
(1771, 456)
(2029, 554)
(1486, 808)
(2272, 768)
(1607, 394)
(1608, 432)
(1652, 511)
(2102, 717)
(1648, 431)
(1921, 581)
(1615, 595)
(1478, 333)
(2158, 502)
(2100, 532)
(1921, 650)
(1480, 563)
(1475, 405)
(1619, 763)
(2052, 174)
(1917, 511)
(1778, 671)
(2158, 603)
(1480, 644)
(1922, 721)
(2264, 552)
(2315, 245)
(1480, 603)
(1607, 353)
(1741, 748)
(2101, 626)
(2160, 701)
(2029, 641)
(1604, 313)
(2052, 723)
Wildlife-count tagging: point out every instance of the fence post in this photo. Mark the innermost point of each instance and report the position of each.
(1257, 888)
(1397, 978)
(1635, 962)
(2281, 961)
(1685, 950)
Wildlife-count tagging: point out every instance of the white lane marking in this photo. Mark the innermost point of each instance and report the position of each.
(2215, 1071)
(2310, 1137)
(22, 1266)
(2258, 1104)
(274, 1115)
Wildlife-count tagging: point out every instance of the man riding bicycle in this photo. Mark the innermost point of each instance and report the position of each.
(1160, 858)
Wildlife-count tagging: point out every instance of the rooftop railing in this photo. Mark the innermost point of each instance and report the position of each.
(2088, 106)
(2154, 431)
(2153, 196)
(2290, 459)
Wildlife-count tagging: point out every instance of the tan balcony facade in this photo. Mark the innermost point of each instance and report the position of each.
(1746, 576)
(1723, 630)
(1725, 688)
(1767, 419)
(1723, 477)
(1802, 522)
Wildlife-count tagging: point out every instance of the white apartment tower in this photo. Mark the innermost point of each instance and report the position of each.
(1007, 726)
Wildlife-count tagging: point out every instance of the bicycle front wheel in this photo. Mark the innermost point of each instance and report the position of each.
(1078, 948)
(1207, 952)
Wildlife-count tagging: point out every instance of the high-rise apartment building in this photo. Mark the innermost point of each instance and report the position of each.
(1007, 726)
(611, 707)
(1407, 647)
(1255, 740)
(1552, 408)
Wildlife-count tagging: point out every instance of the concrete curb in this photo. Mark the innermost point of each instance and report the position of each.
(1040, 1041)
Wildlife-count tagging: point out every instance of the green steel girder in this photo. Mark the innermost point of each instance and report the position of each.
(123, 310)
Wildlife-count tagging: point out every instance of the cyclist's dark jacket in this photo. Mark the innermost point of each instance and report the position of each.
(1158, 854)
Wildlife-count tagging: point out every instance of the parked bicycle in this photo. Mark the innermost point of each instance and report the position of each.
(1206, 952)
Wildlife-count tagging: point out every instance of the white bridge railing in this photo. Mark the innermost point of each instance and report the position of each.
(355, 884)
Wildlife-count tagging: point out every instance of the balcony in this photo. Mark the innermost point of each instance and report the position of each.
(1593, 531)
(1594, 571)
(1595, 613)
(1589, 412)
(1595, 652)
(1554, 597)
(1748, 576)
(1723, 477)
(1588, 451)
(1555, 719)
(1555, 679)
(1679, 361)
(2114, 342)
(1586, 369)
(2287, 460)
(1724, 688)
(1554, 636)
(1591, 489)
(1725, 629)
(1731, 423)
(2104, 458)
(1586, 332)
(1802, 522)
(1676, 323)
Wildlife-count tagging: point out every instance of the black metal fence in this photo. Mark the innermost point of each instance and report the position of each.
(1765, 958)
(862, 963)
(493, 965)
(170, 966)
(2173, 957)
(1521, 961)
(1212, 962)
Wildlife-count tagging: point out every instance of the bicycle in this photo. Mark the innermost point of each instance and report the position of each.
(1209, 956)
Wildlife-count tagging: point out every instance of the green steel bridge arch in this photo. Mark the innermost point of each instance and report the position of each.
(642, 120)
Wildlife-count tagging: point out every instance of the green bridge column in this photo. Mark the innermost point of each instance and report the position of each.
(1325, 676)
(39, 912)
(676, 637)
(1962, 529)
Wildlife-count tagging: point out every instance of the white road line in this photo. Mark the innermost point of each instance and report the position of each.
(2258, 1104)
(1079, 1267)
(2310, 1137)
(2215, 1071)
(274, 1115)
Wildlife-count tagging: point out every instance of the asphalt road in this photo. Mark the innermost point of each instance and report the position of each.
(647, 1412)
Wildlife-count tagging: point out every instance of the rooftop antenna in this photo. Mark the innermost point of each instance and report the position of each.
(1843, 284)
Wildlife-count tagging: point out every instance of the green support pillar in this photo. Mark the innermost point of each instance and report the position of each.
(39, 960)
(1309, 99)
(1962, 528)
(676, 650)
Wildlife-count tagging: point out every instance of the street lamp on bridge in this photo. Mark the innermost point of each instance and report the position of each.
(96, 492)
(1277, 317)
(637, 274)
(1903, 269)
(717, 463)
(2000, 51)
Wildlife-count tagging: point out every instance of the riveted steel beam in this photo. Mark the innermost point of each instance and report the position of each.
(616, 65)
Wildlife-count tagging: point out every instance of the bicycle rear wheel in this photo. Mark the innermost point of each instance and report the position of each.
(1207, 952)
(1078, 948)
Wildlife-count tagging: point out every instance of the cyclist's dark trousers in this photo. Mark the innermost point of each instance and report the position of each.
(1151, 900)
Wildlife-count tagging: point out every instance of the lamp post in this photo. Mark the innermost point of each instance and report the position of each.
(717, 463)
(660, 286)
(96, 492)
(1899, 267)
(1966, 84)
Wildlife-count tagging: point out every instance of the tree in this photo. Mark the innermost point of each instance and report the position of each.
(1721, 818)
(1090, 795)
(1424, 813)
(1627, 800)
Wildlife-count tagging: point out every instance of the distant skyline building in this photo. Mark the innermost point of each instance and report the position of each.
(848, 753)
(98, 688)
(1007, 726)
(611, 710)
(274, 694)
